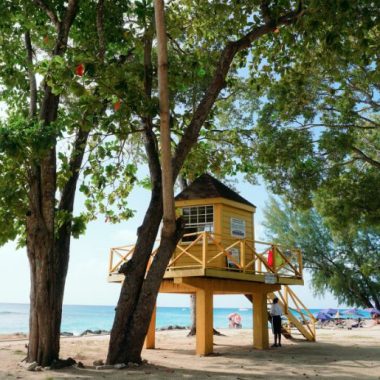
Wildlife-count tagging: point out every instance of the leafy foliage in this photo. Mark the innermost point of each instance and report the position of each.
(318, 134)
(347, 265)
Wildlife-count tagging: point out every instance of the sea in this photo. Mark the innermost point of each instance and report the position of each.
(78, 318)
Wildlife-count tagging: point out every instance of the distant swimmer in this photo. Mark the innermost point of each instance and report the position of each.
(234, 321)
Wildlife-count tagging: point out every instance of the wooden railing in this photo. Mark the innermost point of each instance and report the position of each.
(208, 250)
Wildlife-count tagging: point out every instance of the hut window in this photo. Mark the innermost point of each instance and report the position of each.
(197, 219)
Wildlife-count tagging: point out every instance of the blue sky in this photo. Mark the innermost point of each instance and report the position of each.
(86, 281)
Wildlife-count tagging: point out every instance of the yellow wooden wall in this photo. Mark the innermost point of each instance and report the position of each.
(229, 212)
(222, 229)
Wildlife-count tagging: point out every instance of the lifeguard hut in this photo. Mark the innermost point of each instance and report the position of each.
(218, 254)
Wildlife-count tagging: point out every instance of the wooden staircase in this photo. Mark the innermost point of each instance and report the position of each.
(299, 317)
(304, 323)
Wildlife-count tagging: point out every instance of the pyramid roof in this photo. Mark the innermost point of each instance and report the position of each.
(207, 186)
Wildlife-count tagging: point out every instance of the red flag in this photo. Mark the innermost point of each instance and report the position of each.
(270, 258)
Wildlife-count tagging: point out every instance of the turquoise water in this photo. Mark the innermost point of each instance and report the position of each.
(77, 318)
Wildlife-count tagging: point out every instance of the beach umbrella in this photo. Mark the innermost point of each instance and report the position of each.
(353, 312)
(329, 311)
(323, 316)
(372, 310)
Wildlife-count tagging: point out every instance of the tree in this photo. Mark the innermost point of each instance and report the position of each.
(48, 255)
(346, 265)
(216, 47)
(55, 124)
(317, 138)
(140, 288)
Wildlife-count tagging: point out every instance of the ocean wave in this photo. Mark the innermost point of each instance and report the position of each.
(6, 312)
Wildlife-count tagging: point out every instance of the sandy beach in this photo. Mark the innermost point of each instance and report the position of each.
(338, 354)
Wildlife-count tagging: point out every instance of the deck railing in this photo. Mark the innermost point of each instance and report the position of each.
(239, 255)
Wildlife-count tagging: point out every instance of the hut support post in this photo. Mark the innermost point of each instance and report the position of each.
(150, 339)
(260, 320)
(204, 320)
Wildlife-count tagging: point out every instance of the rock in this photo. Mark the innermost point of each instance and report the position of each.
(31, 366)
(105, 366)
(86, 332)
(94, 332)
(97, 363)
(80, 365)
(144, 361)
(62, 363)
(130, 364)
(120, 366)
(172, 327)
(38, 369)
(65, 333)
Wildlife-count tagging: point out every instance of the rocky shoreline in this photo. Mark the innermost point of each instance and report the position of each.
(107, 332)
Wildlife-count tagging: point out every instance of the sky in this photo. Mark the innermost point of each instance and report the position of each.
(87, 276)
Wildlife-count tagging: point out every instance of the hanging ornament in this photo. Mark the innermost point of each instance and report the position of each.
(117, 105)
(79, 70)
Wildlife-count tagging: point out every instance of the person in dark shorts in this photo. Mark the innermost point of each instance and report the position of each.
(276, 313)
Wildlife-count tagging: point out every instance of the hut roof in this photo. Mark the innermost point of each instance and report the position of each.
(207, 186)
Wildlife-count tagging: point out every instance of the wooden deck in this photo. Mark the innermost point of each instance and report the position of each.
(209, 255)
(209, 264)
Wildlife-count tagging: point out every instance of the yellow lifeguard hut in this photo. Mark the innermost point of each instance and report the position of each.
(218, 254)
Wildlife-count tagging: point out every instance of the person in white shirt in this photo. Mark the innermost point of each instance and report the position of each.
(276, 313)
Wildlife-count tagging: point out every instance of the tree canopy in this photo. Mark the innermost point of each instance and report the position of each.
(317, 139)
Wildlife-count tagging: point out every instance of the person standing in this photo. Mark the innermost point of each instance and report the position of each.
(276, 313)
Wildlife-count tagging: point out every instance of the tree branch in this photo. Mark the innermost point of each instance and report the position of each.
(100, 29)
(265, 12)
(71, 11)
(50, 13)
(150, 141)
(366, 158)
(68, 192)
(191, 133)
(32, 77)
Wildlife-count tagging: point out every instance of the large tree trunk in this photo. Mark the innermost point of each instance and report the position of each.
(45, 296)
(134, 271)
(48, 269)
(48, 252)
(47, 256)
(134, 336)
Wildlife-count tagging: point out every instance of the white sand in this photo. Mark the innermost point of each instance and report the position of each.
(338, 354)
